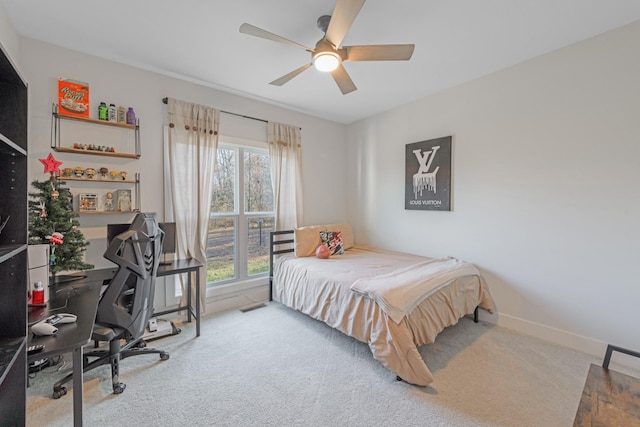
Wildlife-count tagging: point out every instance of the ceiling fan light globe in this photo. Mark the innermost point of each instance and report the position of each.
(326, 61)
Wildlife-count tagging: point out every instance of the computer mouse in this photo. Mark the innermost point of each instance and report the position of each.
(43, 328)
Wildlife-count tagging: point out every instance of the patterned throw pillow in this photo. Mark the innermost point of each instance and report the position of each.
(332, 240)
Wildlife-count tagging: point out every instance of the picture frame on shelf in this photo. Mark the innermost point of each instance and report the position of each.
(124, 201)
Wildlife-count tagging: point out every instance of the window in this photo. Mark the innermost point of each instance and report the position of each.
(241, 215)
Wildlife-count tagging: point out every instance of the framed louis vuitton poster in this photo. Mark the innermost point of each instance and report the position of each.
(428, 175)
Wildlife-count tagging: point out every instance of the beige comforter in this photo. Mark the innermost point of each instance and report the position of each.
(322, 289)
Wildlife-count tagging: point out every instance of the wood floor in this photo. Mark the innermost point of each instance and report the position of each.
(609, 399)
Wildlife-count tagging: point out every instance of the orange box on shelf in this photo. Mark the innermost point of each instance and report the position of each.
(73, 97)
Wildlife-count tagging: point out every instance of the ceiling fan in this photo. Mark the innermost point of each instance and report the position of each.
(328, 55)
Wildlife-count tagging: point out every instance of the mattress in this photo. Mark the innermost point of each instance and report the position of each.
(321, 288)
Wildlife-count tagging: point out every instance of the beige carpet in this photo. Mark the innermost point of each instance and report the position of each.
(276, 367)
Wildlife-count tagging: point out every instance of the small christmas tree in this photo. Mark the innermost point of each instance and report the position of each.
(52, 221)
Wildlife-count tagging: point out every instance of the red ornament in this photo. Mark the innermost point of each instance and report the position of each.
(51, 164)
(56, 238)
(322, 252)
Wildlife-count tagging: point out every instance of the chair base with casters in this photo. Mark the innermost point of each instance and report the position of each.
(126, 305)
(110, 356)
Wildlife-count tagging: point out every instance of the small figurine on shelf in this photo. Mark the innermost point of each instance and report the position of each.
(103, 172)
(123, 175)
(79, 172)
(90, 172)
(108, 204)
(67, 172)
(114, 174)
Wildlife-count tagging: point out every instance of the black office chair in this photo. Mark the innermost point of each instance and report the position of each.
(127, 304)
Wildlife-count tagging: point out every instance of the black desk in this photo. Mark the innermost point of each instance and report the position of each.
(178, 267)
(79, 297)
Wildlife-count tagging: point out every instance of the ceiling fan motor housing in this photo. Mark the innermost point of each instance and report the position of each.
(323, 23)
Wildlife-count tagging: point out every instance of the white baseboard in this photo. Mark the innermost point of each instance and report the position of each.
(563, 338)
(239, 300)
(557, 336)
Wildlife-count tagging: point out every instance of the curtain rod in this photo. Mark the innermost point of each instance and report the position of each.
(166, 100)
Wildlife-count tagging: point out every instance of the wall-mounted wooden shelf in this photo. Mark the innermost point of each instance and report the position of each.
(96, 152)
(106, 212)
(94, 121)
(56, 138)
(99, 180)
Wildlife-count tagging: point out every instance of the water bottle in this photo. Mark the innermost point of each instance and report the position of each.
(103, 111)
(122, 115)
(113, 113)
(131, 116)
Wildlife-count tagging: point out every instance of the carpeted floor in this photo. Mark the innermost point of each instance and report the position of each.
(276, 367)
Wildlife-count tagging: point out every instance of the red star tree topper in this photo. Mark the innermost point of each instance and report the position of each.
(51, 164)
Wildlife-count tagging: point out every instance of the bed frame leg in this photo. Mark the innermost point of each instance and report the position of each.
(475, 315)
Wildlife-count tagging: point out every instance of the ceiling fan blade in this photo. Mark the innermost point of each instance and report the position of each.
(342, 17)
(381, 52)
(282, 80)
(343, 80)
(259, 32)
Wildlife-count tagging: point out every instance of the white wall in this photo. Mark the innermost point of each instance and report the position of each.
(110, 81)
(546, 199)
(9, 38)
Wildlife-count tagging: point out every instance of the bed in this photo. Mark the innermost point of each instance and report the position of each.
(361, 292)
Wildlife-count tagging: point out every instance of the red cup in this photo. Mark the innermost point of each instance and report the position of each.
(38, 294)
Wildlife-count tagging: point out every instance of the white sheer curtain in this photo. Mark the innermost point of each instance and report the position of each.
(192, 148)
(285, 156)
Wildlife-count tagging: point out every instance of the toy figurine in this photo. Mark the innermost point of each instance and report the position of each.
(108, 205)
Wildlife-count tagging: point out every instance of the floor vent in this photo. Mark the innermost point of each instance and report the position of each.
(244, 310)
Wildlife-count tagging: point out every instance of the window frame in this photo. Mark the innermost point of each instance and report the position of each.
(241, 279)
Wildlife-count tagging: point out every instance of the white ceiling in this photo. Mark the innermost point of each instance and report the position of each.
(198, 40)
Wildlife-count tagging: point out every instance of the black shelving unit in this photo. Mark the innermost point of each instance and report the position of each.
(13, 244)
